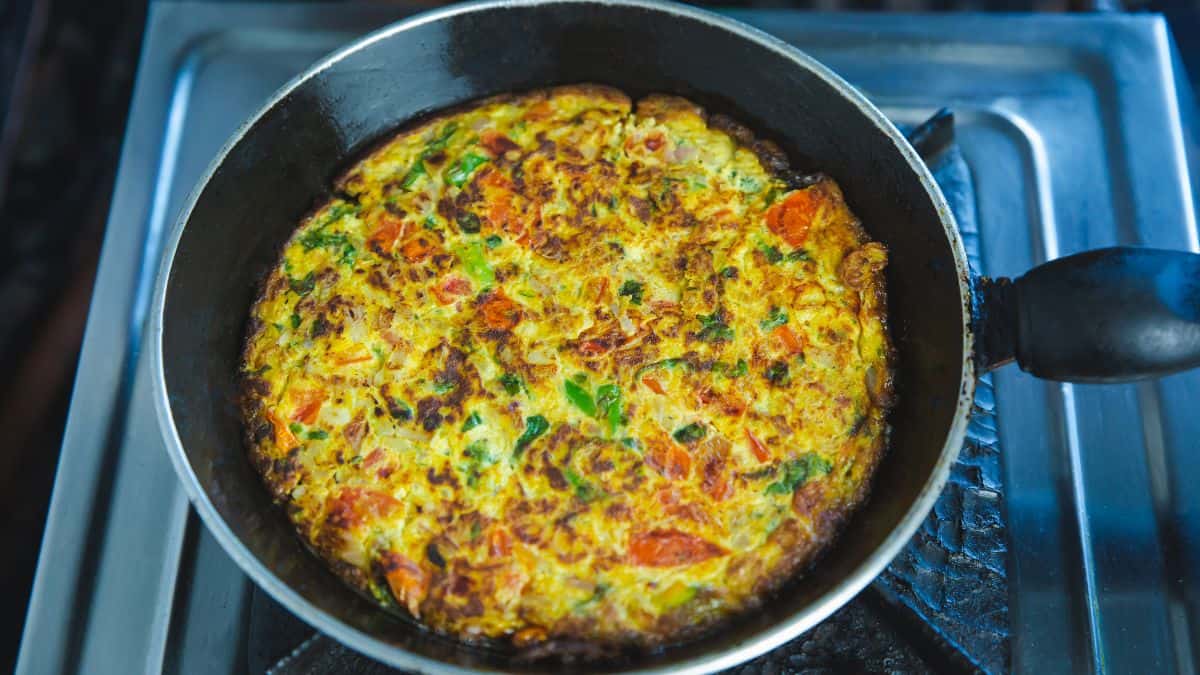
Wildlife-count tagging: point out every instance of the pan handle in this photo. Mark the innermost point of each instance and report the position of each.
(1109, 315)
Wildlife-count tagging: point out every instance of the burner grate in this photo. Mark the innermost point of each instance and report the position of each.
(941, 606)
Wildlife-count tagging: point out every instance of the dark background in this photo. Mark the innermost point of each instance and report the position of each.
(66, 73)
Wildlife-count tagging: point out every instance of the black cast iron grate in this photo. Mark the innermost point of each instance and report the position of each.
(941, 606)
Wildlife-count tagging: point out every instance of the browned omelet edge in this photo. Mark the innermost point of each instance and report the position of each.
(673, 628)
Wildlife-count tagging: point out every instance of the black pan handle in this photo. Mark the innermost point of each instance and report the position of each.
(1109, 315)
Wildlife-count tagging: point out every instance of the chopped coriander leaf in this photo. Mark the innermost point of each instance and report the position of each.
(442, 387)
(473, 420)
(319, 327)
(583, 489)
(399, 410)
(663, 364)
(322, 239)
(714, 327)
(303, 286)
(295, 321)
(777, 372)
(608, 403)
(475, 264)
(431, 223)
(742, 368)
(534, 426)
(797, 472)
(776, 318)
(690, 433)
(511, 383)
(633, 290)
(798, 254)
(748, 184)
(443, 138)
(479, 459)
(414, 174)
(468, 223)
(729, 272)
(772, 253)
(612, 202)
(317, 435)
(631, 443)
(493, 241)
(771, 196)
(458, 174)
(580, 397)
(295, 427)
(476, 530)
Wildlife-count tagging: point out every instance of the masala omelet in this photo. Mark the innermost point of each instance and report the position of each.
(557, 369)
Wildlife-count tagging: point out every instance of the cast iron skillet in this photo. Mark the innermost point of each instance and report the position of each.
(1110, 315)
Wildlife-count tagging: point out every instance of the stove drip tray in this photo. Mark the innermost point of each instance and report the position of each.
(942, 605)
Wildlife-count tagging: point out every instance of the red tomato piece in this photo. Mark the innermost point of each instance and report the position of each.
(791, 218)
(670, 548)
(308, 405)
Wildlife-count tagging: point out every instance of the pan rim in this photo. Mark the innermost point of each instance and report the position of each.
(766, 640)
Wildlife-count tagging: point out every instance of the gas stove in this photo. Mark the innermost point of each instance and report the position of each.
(1067, 540)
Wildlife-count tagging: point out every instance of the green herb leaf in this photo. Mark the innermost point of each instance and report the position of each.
(690, 433)
(798, 254)
(317, 435)
(431, 223)
(740, 369)
(295, 427)
(608, 402)
(468, 223)
(440, 142)
(442, 387)
(773, 254)
(777, 372)
(475, 264)
(461, 172)
(797, 472)
(776, 318)
(665, 364)
(631, 443)
(713, 327)
(493, 241)
(511, 383)
(478, 459)
(473, 420)
(295, 321)
(729, 272)
(633, 290)
(303, 286)
(580, 397)
(583, 489)
(319, 326)
(414, 174)
(748, 184)
(534, 426)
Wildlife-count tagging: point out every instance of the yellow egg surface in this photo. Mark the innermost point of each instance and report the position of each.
(555, 369)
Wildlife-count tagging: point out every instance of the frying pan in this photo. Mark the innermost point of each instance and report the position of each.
(1100, 316)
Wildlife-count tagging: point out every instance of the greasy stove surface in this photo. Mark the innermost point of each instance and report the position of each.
(1072, 137)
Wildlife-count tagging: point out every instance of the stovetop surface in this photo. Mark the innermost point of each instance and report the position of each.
(1073, 137)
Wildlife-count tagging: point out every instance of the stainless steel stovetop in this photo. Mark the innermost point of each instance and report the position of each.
(1072, 129)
